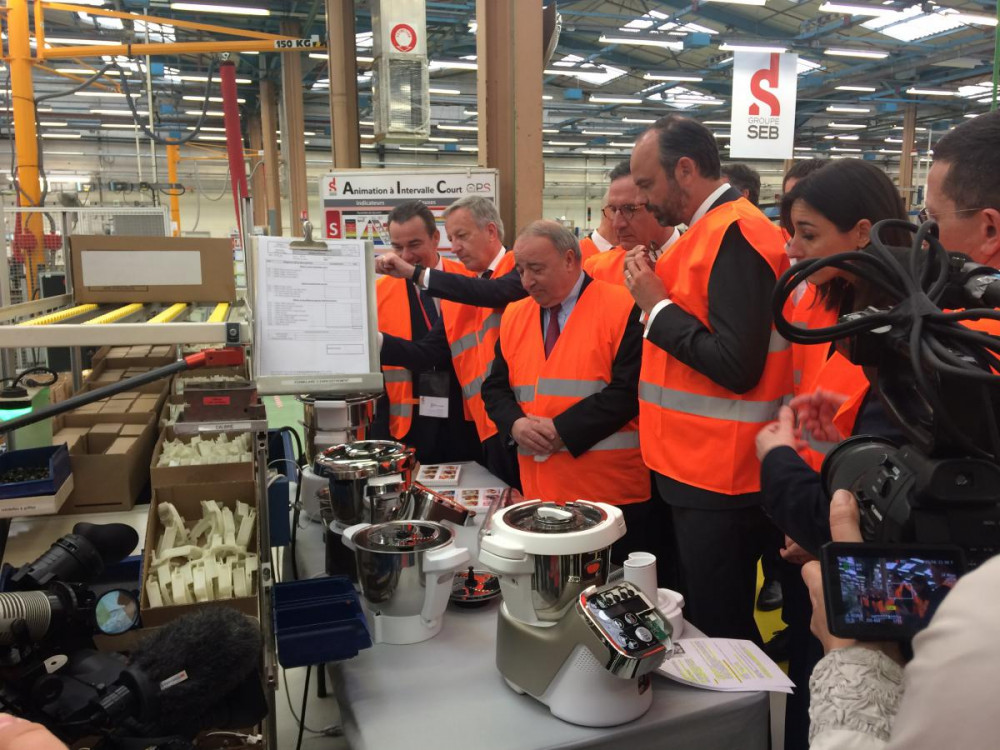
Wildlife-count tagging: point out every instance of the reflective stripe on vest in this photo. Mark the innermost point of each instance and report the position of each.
(394, 318)
(397, 375)
(472, 333)
(709, 406)
(625, 440)
(578, 367)
(692, 429)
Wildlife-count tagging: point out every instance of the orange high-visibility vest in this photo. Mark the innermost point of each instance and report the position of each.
(847, 415)
(691, 428)
(813, 369)
(608, 266)
(588, 248)
(394, 318)
(472, 334)
(611, 471)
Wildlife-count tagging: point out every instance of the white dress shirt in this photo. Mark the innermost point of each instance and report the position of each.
(567, 306)
(702, 210)
(600, 243)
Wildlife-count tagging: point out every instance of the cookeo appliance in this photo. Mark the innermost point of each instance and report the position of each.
(406, 570)
(581, 646)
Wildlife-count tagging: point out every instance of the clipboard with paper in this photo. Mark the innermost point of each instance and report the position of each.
(315, 325)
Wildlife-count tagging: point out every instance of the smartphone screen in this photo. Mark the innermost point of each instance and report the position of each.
(881, 592)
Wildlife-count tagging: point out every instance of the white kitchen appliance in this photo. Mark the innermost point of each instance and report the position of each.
(583, 647)
(406, 570)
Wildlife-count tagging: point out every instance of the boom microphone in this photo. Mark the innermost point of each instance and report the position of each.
(206, 666)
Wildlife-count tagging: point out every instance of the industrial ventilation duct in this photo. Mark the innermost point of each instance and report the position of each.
(400, 95)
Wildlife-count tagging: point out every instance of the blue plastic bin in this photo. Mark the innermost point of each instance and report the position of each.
(56, 457)
(318, 621)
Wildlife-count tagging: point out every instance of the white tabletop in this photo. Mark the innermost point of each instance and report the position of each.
(447, 694)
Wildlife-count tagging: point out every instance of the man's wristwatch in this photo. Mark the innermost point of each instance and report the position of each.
(417, 270)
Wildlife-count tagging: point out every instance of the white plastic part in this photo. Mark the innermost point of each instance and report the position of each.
(245, 529)
(439, 572)
(402, 630)
(240, 581)
(201, 591)
(585, 693)
(225, 579)
(178, 587)
(347, 536)
(515, 580)
(168, 540)
(153, 593)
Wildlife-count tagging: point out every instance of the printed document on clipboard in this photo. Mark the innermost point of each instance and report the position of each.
(315, 317)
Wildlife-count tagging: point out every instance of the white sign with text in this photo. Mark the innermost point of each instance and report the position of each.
(763, 120)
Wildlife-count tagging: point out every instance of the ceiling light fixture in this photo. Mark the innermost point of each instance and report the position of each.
(671, 77)
(931, 92)
(746, 47)
(469, 128)
(865, 53)
(444, 92)
(863, 89)
(738, 2)
(842, 148)
(857, 10)
(846, 125)
(217, 99)
(208, 113)
(239, 10)
(204, 79)
(614, 100)
(642, 41)
(841, 108)
(452, 65)
(109, 94)
(641, 120)
(601, 132)
(565, 143)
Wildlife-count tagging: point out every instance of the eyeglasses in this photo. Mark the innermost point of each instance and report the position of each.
(923, 215)
(627, 211)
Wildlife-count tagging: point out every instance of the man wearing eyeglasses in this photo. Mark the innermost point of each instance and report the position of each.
(601, 239)
(963, 189)
(633, 225)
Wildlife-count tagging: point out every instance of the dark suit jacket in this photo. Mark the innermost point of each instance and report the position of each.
(474, 290)
(436, 440)
(433, 350)
(740, 286)
(591, 419)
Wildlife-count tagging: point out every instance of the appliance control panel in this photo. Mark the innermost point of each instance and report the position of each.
(626, 619)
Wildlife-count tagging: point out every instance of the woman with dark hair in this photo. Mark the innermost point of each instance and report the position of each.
(829, 211)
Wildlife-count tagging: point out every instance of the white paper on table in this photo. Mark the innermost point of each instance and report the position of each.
(726, 664)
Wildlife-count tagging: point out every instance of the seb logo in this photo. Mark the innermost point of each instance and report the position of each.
(765, 126)
(332, 186)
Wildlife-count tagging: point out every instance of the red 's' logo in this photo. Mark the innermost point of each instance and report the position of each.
(767, 75)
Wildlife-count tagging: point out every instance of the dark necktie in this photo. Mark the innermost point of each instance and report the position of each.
(429, 307)
(552, 330)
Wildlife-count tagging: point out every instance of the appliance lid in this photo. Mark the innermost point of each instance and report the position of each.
(550, 518)
(363, 459)
(402, 537)
(546, 528)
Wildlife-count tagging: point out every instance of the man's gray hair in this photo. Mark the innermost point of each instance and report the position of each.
(484, 211)
(561, 238)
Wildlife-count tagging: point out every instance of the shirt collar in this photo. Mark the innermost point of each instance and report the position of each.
(707, 203)
(674, 236)
(600, 243)
(440, 263)
(496, 260)
(574, 293)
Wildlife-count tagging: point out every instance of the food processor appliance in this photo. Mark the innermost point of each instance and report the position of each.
(328, 422)
(406, 570)
(367, 481)
(581, 646)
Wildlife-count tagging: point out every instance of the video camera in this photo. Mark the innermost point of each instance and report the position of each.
(933, 363)
(198, 672)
